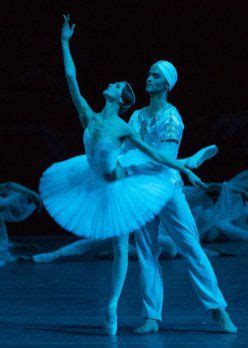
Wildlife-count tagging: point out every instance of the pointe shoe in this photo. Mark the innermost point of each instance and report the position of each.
(223, 319)
(111, 328)
(149, 326)
(201, 156)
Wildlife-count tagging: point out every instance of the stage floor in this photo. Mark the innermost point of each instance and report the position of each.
(62, 304)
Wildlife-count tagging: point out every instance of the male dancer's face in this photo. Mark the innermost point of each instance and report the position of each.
(156, 82)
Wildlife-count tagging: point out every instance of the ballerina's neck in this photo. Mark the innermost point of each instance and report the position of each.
(110, 110)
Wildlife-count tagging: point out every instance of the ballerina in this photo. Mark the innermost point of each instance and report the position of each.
(90, 195)
(16, 204)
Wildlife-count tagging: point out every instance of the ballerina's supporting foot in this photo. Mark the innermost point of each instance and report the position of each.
(119, 271)
(111, 320)
(149, 326)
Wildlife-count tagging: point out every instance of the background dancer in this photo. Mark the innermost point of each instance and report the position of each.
(17, 203)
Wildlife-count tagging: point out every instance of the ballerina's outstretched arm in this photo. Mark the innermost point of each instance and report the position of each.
(162, 158)
(84, 110)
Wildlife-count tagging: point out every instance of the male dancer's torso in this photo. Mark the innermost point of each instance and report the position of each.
(163, 131)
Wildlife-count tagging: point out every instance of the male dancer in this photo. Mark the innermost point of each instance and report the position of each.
(161, 126)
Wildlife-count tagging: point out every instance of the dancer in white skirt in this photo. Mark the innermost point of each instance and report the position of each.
(17, 203)
(90, 195)
(222, 210)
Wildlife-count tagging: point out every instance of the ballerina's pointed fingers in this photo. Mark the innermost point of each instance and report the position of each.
(72, 28)
(65, 19)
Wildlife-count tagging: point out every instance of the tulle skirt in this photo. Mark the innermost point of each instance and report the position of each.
(208, 214)
(228, 208)
(84, 203)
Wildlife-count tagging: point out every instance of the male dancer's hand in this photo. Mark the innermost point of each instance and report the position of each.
(67, 32)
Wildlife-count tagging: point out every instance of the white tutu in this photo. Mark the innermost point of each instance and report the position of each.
(20, 208)
(87, 205)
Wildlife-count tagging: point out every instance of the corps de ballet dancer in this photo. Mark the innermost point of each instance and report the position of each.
(17, 203)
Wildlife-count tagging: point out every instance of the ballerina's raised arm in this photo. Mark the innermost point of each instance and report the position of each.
(84, 110)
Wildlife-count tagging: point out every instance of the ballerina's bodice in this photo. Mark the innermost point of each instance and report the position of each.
(102, 155)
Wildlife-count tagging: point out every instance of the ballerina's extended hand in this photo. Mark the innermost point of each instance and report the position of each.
(67, 32)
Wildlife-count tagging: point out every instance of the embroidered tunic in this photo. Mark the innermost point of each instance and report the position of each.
(163, 132)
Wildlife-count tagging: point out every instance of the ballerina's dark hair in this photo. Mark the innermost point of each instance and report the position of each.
(128, 98)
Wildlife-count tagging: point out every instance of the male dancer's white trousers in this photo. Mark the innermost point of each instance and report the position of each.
(178, 221)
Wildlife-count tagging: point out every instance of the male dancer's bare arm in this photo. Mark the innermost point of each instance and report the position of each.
(166, 147)
(84, 110)
(162, 158)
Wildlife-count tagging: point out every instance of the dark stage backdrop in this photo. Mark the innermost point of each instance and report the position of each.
(119, 40)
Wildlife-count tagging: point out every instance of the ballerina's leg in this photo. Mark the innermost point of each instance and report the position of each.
(119, 271)
(119, 268)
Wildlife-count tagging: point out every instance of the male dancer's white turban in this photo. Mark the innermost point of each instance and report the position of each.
(168, 70)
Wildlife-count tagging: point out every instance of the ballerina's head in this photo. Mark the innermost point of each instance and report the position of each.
(121, 93)
(162, 77)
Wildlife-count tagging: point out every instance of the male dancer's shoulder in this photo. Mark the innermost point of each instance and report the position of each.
(170, 125)
(173, 114)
